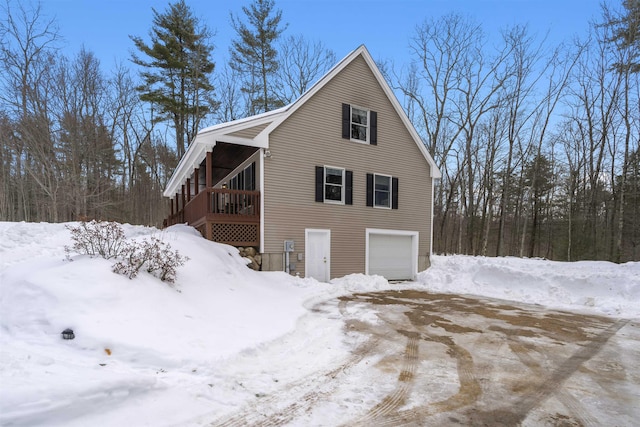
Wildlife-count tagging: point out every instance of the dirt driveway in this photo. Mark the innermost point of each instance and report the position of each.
(444, 360)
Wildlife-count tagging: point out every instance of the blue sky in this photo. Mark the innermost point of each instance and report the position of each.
(384, 26)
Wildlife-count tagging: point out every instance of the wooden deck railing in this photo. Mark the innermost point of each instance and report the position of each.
(223, 215)
(235, 203)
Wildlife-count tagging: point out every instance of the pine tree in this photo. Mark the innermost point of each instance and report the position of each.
(177, 73)
(625, 33)
(254, 55)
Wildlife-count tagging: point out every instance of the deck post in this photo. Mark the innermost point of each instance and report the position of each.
(182, 197)
(188, 190)
(209, 178)
(195, 182)
(178, 207)
(208, 185)
(208, 170)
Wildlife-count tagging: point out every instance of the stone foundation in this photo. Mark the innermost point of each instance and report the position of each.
(253, 256)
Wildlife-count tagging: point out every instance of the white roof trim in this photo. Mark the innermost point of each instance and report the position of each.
(362, 50)
(206, 138)
(435, 171)
(185, 167)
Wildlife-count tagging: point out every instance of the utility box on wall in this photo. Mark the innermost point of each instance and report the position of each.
(288, 249)
(288, 246)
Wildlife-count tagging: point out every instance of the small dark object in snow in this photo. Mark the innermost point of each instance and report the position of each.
(67, 334)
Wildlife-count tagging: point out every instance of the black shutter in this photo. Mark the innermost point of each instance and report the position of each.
(394, 193)
(346, 121)
(373, 125)
(369, 189)
(319, 184)
(348, 197)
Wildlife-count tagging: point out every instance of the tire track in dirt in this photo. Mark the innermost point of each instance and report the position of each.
(577, 410)
(387, 412)
(532, 396)
(468, 393)
(524, 351)
(414, 319)
(549, 384)
(302, 394)
(263, 413)
(393, 401)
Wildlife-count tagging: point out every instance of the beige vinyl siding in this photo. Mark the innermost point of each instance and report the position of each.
(251, 132)
(311, 137)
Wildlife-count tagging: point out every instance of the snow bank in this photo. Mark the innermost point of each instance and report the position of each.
(147, 353)
(595, 286)
(133, 337)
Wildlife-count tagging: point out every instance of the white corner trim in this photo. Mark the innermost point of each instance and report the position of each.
(262, 213)
(433, 180)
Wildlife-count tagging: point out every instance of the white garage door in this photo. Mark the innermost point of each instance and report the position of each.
(392, 256)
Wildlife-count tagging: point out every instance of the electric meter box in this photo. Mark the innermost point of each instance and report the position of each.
(288, 246)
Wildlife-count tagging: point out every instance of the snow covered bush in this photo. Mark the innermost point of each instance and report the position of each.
(131, 261)
(162, 261)
(155, 256)
(97, 238)
(107, 240)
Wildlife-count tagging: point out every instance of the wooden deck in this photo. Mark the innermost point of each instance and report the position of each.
(223, 215)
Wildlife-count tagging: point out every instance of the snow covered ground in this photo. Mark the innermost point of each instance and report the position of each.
(147, 353)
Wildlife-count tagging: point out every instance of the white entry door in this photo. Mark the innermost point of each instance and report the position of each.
(317, 249)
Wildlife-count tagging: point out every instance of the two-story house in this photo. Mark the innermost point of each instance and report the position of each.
(337, 182)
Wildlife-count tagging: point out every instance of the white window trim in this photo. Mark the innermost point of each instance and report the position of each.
(351, 123)
(390, 191)
(343, 185)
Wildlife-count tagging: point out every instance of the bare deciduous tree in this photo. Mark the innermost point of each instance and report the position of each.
(301, 64)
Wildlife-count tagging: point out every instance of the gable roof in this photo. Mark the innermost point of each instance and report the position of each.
(206, 138)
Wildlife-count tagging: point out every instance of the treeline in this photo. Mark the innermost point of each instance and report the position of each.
(82, 142)
(537, 144)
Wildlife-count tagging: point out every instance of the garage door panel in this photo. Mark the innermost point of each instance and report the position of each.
(391, 256)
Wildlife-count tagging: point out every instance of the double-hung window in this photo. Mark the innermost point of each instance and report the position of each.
(382, 191)
(334, 185)
(359, 124)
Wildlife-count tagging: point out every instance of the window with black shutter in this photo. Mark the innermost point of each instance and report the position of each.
(359, 124)
(334, 185)
(382, 191)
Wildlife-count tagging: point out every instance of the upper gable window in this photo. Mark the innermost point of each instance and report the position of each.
(359, 124)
